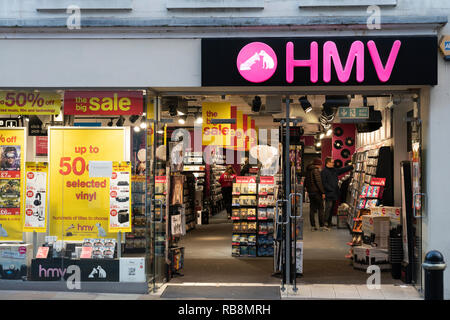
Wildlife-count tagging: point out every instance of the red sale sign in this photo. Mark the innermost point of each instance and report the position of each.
(103, 103)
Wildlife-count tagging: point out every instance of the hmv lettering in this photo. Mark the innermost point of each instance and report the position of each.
(257, 61)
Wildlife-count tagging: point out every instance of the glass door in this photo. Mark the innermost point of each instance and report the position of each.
(156, 196)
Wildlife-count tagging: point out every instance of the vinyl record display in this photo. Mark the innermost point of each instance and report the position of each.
(345, 153)
(338, 144)
(349, 141)
(338, 131)
(337, 163)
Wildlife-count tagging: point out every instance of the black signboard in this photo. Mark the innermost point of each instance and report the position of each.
(9, 123)
(36, 127)
(91, 269)
(320, 61)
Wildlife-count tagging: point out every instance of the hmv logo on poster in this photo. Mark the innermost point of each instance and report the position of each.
(336, 61)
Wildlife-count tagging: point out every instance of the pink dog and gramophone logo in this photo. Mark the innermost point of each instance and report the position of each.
(257, 62)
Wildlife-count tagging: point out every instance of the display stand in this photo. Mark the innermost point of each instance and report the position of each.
(253, 213)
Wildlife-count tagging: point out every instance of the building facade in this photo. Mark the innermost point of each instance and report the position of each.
(140, 44)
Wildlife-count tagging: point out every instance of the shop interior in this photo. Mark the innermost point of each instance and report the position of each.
(179, 221)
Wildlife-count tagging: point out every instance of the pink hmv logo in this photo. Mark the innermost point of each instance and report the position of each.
(257, 62)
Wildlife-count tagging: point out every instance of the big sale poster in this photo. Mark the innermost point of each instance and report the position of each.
(35, 218)
(12, 168)
(80, 205)
(120, 198)
(216, 134)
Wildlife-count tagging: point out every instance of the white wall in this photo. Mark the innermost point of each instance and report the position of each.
(123, 63)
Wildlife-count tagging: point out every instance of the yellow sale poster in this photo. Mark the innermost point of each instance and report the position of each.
(12, 168)
(216, 134)
(29, 102)
(79, 205)
(36, 184)
(120, 198)
(240, 134)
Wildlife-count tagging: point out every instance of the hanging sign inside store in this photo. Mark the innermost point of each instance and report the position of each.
(324, 61)
(79, 204)
(103, 103)
(36, 197)
(30, 103)
(216, 134)
(12, 168)
(353, 113)
(120, 198)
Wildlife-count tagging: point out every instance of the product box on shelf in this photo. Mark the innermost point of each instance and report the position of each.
(15, 260)
(392, 212)
(132, 270)
(376, 228)
(366, 255)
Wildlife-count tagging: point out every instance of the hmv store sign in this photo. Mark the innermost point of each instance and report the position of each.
(338, 61)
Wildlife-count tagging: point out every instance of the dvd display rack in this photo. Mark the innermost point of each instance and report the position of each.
(253, 211)
(217, 168)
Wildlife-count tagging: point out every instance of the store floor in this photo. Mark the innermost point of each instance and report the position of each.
(208, 258)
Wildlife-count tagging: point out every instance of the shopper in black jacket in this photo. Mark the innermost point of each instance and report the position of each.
(316, 193)
(330, 182)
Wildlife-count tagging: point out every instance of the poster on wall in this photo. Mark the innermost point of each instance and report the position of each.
(12, 163)
(35, 218)
(41, 146)
(119, 198)
(80, 204)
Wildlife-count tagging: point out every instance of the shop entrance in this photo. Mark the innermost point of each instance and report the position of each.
(209, 247)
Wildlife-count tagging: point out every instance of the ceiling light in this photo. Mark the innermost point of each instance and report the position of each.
(329, 132)
(180, 113)
(318, 144)
(160, 131)
(256, 104)
(172, 110)
(322, 135)
(133, 118)
(199, 120)
(120, 121)
(182, 120)
(306, 105)
(143, 124)
(27, 118)
(110, 123)
(137, 129)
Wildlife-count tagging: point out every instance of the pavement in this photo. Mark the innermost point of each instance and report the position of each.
(209, 266)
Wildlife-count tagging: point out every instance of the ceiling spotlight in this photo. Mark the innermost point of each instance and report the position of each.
(110, 123)
(143, 124)
(120, 121)
(329, 132)
(172, 110)
(27, 118)
(160, 131)
(182, 120)
(199, 118)
(318, 144)
(180, 113)
(137, 129)
(322, 135)
(306, 105)
(133, 118)
(256, 104)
